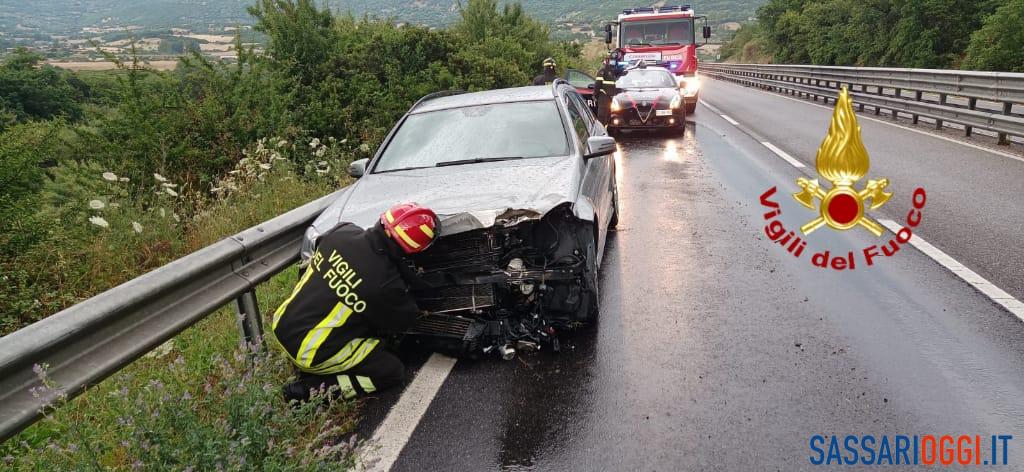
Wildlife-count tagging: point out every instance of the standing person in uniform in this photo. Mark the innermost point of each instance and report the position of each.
(549, 73)
(604, 85)
(355, 289)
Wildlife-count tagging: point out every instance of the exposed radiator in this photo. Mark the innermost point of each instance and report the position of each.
(442, 325)
(456, 298)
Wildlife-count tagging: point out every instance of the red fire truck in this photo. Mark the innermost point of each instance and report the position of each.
(665, 35)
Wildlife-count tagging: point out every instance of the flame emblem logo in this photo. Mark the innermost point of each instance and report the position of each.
(842, 160)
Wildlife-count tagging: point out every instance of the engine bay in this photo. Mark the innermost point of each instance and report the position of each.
(506, 289)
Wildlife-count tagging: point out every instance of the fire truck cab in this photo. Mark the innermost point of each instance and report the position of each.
(664, 35)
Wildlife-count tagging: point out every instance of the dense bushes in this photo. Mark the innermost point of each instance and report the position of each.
(29, 92)
(983, 35)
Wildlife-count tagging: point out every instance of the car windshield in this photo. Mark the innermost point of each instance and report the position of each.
(476, 134)
(639, 78)
(657, 32)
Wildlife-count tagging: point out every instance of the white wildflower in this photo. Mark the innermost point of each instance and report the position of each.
(115, 205)
(364, 147)
(320, 152)
(137, 226)
(314, 143)
(96, 204)
(170, 192)
(265, 166)
(176, 217)
(343, 141)
(124, 179)
(159, 178)
(163, 213)
(282, 143)
(169, 185)
(323, 171)
(161, 350)
(99, 222)
(110, 176)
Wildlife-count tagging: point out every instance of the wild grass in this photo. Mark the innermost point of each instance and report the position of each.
(202, 401)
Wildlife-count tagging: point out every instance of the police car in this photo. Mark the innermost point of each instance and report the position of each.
(648, 98)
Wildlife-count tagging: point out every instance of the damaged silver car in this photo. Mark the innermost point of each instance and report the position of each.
(523, 181)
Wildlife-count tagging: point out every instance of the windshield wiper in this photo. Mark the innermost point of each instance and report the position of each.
(400, 169)
(477, 160)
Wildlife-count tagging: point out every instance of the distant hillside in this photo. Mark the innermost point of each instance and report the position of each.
(70, 16)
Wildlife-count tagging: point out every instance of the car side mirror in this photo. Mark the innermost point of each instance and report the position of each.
(590, 86)
(608, 34)
(707, 32)
(357, 168)
(599, 146)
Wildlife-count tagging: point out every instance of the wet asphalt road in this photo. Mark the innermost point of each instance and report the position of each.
(717, 350)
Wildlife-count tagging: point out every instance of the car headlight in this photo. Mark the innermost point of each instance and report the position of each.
(616, 105)
(677, 101)
(690, 86)
(308, 246)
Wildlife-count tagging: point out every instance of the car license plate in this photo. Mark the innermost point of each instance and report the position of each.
(663, 112)
(634, 122)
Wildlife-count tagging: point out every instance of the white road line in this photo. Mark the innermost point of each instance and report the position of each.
(730, 120)
(997, 294)
(784, 155)
(913, 130)
(381, 452)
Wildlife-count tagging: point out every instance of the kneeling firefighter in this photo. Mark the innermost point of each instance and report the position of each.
(355, 290)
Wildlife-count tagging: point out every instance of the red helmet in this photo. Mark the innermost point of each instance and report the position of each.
(410, 225)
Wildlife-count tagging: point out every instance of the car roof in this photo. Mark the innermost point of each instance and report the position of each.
(507, 95)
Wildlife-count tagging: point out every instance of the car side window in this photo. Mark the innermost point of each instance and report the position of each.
(587, 113)
(579, 123)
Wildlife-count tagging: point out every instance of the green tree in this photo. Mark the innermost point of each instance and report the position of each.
(30, 90)
(999, 44)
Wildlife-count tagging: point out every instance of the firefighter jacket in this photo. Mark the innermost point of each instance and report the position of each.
(546, 78)
(354, 289)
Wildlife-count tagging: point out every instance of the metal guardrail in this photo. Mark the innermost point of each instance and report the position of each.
(88, 342)
(945, 96)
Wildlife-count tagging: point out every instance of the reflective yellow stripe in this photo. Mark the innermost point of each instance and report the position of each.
(427, 231)
(331, 365)
(316, 336)
(298, 287)
(387, 214)
(406, 238)
(361, 354)
(347, 390)
(366, 384)
(348, 357)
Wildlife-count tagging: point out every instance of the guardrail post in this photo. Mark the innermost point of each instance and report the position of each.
(249, 321)
(972, 103)
(895, 114)
(942, 101)
(1007, 108)
(917, 97)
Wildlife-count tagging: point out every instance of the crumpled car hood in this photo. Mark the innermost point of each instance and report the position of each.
(465, 197)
